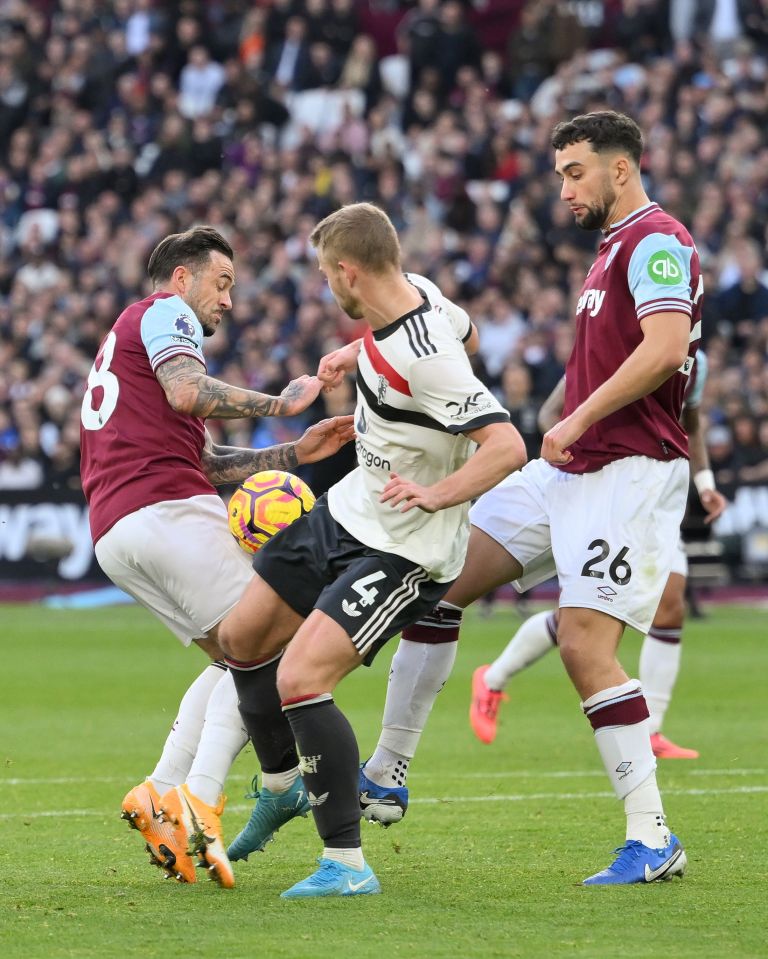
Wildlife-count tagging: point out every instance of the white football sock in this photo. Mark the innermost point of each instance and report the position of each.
(222, 738)
(280, 782)
(532, 641)
(418, 673)
(645, 814)
(349, 857)
(625, 749)
(181, 745)
(659, 666)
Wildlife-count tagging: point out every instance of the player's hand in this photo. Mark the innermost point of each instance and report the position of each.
(554, 446)
(714, 503)
(325, 438)
(298, 395)
(406, 494)
(334, 366)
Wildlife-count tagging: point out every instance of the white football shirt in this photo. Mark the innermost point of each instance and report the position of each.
(416, 397)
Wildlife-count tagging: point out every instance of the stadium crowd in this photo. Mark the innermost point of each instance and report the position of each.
(126, 120)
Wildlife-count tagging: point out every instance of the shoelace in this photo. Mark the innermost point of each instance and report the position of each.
(327, 874)
(625, 855)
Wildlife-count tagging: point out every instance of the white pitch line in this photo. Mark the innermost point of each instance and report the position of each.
(426, 800)
(497, 774)
(588, 773)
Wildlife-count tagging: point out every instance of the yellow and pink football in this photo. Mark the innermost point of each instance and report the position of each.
(264, 504)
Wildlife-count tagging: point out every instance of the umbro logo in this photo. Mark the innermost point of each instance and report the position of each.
(624, 769)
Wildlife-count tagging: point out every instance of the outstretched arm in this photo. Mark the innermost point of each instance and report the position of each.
(231, 464)
(189, 389)
(334, 366)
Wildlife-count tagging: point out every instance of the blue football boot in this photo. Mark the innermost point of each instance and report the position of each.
(382, 804)
(335, 879)
(636, 862)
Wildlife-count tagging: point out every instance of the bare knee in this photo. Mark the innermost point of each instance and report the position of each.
(294, 679)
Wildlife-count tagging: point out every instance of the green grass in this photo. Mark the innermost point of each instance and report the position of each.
(487, 862)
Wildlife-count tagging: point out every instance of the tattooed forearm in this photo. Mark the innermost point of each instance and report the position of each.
(190, 390)
(230, 464)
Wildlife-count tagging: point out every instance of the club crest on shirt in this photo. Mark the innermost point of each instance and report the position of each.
(381, 392)
(184, 325)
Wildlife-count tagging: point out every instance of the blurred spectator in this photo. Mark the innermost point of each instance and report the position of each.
(122, 122)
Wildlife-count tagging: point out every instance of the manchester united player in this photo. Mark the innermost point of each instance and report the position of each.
(602, 507)
(388, 540)
(148, 470)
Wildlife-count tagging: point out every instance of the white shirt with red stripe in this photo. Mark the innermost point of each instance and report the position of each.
(416, 398)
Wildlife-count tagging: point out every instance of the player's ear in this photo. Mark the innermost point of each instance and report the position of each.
(621, 170)
(179, 278)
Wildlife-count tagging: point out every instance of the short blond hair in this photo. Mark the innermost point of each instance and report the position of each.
(360, 232)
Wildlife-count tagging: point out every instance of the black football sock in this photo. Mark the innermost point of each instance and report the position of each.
(259, 704)
(329, 762)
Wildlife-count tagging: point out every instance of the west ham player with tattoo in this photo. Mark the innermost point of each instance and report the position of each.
(660, 652)
(602, 507)
(148, 469)
(386, 542)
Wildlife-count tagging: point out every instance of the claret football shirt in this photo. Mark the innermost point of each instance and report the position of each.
(647, 263)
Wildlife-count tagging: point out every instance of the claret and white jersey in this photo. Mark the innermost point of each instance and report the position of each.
(416, 397)
(135, 448)
(646, 263)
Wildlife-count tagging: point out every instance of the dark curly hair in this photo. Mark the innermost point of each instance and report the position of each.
(605, 130)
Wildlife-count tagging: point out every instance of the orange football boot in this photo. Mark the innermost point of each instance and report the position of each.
(141, 810)
(664, 748)
(197, 827)
(484, 708)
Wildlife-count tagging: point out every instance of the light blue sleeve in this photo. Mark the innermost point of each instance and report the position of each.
(169, 328)
(693, 397)
(659, 275)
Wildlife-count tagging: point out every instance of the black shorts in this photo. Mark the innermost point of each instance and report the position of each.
(316, 564)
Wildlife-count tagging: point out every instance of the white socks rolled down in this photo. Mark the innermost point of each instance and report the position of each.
(418, 673)
(181, 745)
(535, 637)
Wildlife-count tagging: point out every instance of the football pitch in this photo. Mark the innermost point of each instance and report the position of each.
(487, 862)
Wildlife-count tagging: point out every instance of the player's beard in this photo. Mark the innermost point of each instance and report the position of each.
(596, 217)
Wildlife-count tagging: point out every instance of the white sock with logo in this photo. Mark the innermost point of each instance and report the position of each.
(221, 740)
(532, 641)
(348, 857)
(181, 745)
(418, 673)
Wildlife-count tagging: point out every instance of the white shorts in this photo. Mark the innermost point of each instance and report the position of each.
(680, 560)
(179, 559)
(609, 536)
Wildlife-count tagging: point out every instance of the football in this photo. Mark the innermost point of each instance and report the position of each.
(264, 504)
